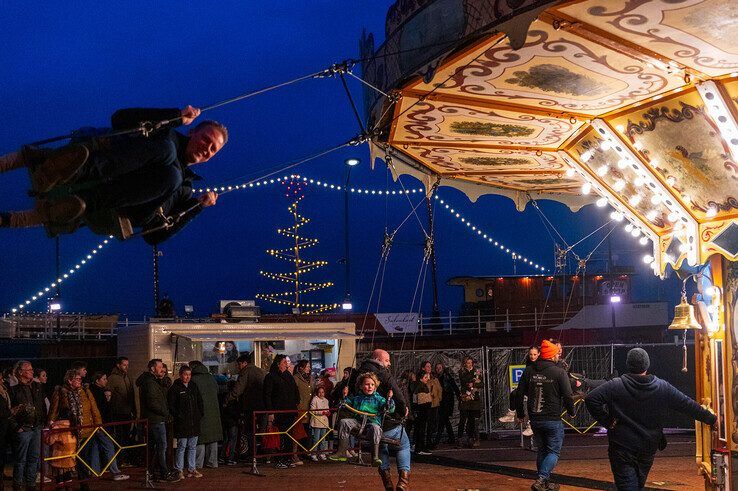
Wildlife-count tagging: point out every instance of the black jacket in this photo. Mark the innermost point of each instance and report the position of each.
(549, 392)
(152, 396)
(186, 407)
(386, 382)
(103, 405)
(31, 398)
(634, 407)
(280, 389)
(249, 389)
(181, 199)
(450, 390)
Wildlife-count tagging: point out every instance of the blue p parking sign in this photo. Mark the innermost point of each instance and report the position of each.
(515, 372)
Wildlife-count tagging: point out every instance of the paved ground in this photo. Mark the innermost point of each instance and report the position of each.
(499, 464)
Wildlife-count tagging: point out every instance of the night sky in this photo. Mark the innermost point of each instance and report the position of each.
(71, 64)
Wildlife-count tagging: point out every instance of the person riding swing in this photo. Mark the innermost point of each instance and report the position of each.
(139, 178)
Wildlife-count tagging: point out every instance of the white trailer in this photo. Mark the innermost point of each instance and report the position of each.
(177, 343)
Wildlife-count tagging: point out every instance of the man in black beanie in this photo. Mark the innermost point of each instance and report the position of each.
(632, 408)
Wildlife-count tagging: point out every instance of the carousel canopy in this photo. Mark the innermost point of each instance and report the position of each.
(632, 103)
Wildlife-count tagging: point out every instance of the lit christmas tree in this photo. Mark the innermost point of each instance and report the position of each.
(292, 254)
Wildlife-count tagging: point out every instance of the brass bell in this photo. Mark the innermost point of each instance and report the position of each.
(684, 318)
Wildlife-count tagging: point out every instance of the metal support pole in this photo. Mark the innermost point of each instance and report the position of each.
(347, 269)
(155, 251)
(58, 287)
(436, 313)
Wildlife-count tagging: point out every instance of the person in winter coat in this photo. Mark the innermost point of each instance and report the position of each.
(436, 392)
(336, 394)
(379, 364)
(547, 387)
(122, 396)
(281, 392)
(187, 410)
(305, 385)
(470, 402)
(6, 428)
(319, 424)
(249, 394)
(29, 415)
(633, 408)
(102, 442)
(423, 400)
(75, 403)
(152, 395)
(449, 394)
(211, 428)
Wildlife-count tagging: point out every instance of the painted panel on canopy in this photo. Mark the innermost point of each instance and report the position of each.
(438, 121)
(553, 182)
(701, 34)
(492, 160)
(556, 71)
(620, 177)
(680, 141)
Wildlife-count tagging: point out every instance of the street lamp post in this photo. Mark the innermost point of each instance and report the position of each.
(347, 305)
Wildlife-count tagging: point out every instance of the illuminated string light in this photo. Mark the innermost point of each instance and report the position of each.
(479, 232)
(53, 284)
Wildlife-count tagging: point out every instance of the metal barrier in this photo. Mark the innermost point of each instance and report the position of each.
(593, 361)
(68, 435)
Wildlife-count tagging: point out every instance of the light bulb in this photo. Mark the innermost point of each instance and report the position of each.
(671, 180)
(619, 185)
(635, 200)
(638, 181)
(602, 202)
(656, 199)
(623, 163)
(636, 232)
(586, 188)
(602, 170)
(672, 217)
(651, 215)
(711, 212)
(605, 145)
(648, 259)
(629, 227)
(643, 240)
(570, 172)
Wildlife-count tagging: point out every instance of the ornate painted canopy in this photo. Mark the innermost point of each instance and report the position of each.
(631, 103)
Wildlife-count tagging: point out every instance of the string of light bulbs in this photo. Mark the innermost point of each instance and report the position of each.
(42, 293)
(516, 256)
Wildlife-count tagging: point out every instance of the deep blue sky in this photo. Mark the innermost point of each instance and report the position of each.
(71, 64)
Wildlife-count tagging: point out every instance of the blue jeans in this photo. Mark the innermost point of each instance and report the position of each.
(629, 469)
(158, 445)
(102, 443)
(549, 438)
(403, 451)
(317, 435)
(27, 448)
(189, 445)
(206, 455)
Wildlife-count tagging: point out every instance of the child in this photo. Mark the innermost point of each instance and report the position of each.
(319, 421)
(367, 401)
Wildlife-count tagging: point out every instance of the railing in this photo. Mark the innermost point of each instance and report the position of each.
(488, 323)
(68, 451)
(59, 326)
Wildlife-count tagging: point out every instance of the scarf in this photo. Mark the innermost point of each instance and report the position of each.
(74, 401)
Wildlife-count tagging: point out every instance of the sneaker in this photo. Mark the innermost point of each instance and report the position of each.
(281, 465)
(314, 458)
(552, 486)
(338, 458)
(424, 452)
(195, 474)
(527, 431)
(176, 477)
(120, 477)
(507, 418)
(351, 453)
(323, 457)
(231, 462)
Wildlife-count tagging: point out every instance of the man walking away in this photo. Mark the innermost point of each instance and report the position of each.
(632, 408)
(549, 392)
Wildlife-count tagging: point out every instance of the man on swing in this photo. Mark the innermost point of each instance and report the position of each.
(138, 177)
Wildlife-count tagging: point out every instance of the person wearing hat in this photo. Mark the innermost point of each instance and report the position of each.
(632, 407)
(547, 387)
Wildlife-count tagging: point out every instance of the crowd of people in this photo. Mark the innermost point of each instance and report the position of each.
(204, 420)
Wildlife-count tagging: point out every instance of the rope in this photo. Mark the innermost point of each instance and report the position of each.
(388, 159)
(351, 74)
(351, 101)
(544, 217)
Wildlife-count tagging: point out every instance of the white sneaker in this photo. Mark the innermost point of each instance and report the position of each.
(314, 458)
(527, 431)
(121, 477)
(351, 453)
(507, 418)
(323, 457)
